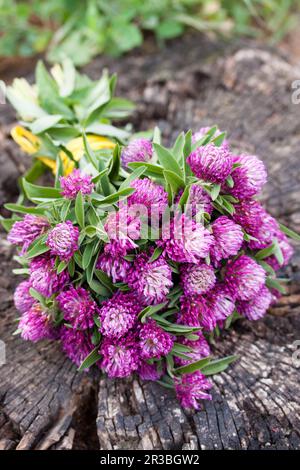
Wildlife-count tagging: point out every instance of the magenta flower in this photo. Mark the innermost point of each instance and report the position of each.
(151, 281)
(220, 303)
(44, 278)
(200, 349)
(265, 233)
(78, 307)
(123, 229)
(244, 278)
(154, 341)
(75, 182)
(196, 312)
(76, 344)
(149, 194)
(211, 163)
(25, 231)
(148, 371)
(256, 308)
(228, 239)
(35, 324)
(286, 250)
(250, 215)
(138, 150)
(199, 201)
(185, 240)
(197, 279)
(201, 133)
(192, 387)
(22, 298)
(63, 240)
(115, 267)
(118, 314)
(248, 178)
(120, 358)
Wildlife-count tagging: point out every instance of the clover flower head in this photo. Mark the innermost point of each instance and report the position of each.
(25, 231)
(120, 358)
(211, 163)
(44, 278)
(22, 298)
(228, 239)
(76, 182)
(197, 279)
(244, 278)
(154, 341)
(151, 281)
(249, 177)
(191, 388)
(118, 314)
(185, 240)
(78, 307)
(138, 150)
(256, 308)
(76, 344)
(63, 240)
(35, 324)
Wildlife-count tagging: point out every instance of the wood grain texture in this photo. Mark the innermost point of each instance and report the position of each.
(46, 404)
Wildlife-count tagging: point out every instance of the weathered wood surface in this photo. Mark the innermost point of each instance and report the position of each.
(45, 403)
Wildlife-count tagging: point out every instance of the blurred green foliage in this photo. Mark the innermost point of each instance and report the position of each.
(80, 29)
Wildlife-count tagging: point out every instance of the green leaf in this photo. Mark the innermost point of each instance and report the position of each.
(8, 223)
(290, 233)
(274, 284)
(79, 209)
(156, 254)
(38, 247)
(44, 123)
(87, 255)
(115, 164)
(215, 191)
(151, 169)
(61, 267)
(278, 252)
(108, 130)
(169, 28)
(267, 267)
(48, 93)
(23, 209)
(174, 181)
(98, 288)
(265, 252)
(167, 160)
(113, 198)
(156, 136)
(36, 295)
(133, 176)
(189, 368)
(90, 360)
(40, 193)
(91, 157)
(218, 141)
(229, 181)
(219, 365)
(185, 196)
(178, 147)
(150, 310)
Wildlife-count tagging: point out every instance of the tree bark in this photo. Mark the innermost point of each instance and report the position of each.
(46, 404)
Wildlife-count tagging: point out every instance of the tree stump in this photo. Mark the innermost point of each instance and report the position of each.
(46, 404)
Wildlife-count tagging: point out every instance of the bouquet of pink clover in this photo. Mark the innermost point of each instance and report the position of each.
(136, 266)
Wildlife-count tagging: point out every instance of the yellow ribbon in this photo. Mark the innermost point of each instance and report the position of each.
(31, 144)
